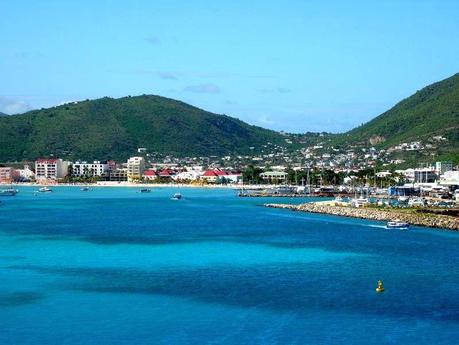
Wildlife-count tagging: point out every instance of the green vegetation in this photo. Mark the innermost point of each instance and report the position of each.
(432, 111)
(114, 128)
(110, 128)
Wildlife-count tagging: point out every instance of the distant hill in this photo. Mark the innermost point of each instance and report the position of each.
(432, 111)
(110, 128)
(3, 114)
(115, 128)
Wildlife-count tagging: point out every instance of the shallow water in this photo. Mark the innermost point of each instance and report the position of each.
(116, 266)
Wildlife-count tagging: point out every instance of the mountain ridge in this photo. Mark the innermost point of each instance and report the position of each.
(109, 128)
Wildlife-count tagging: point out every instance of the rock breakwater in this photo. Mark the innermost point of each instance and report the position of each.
(411, 216)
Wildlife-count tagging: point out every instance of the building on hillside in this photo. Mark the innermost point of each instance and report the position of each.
(96, 168)
(274, 176)
(135, 168)
(8, 175)
(50, 169)
(383, 174)
(442, 167)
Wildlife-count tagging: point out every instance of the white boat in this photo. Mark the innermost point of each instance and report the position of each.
(45, 190)
(360, 202)
(8, 192)
(397, 224)
(416, 202)
(84, 189)
(176, 196)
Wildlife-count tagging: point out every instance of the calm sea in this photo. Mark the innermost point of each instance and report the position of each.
(115, 266)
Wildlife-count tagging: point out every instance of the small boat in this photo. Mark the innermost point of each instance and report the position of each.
(397, 224)
(84, 189)
(176, 196)
(45, 190)
(8, 192)
(145, 190)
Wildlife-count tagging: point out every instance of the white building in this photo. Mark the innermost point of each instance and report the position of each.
(450, 178)
(95, 168)
(135, 168)
(26, 173)
(191, 175)
(50, 168)
(274, 176)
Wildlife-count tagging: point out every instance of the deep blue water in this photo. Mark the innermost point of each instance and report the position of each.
(114, 266)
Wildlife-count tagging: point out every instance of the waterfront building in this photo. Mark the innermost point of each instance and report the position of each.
(50, 168)
(450, 178)
(274, 176)
(150, 175)
(191, 175)
(93, 169)
(117, 175)
(425, 175)
(135, 168)
(26, 174)
(8, 174)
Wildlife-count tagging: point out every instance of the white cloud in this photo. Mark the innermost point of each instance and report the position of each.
(12, 106)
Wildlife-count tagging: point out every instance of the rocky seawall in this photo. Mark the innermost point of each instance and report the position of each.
(412, 217)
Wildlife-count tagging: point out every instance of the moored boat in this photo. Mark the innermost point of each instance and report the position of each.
(84, 189)
(45, 190)
(8, 192)
(145, 190)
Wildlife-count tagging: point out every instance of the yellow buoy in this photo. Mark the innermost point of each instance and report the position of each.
(380, 287)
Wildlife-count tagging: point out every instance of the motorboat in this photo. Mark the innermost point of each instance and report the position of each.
(8, 192)
(176, 196)
(397, 224)
(45, 190)
(145, 190)
(85, 189)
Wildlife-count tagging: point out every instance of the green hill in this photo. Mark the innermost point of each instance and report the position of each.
(432, 111)
(114, 128)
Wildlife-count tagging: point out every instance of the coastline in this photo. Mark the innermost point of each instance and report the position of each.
(414, 218)
(124, 184)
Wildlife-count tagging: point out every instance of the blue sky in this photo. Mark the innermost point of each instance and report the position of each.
(287, 65)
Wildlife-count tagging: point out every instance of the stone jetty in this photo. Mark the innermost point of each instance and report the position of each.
(411, 216)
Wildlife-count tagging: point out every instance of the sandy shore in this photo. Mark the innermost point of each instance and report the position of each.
(410, 216)
(137, 185)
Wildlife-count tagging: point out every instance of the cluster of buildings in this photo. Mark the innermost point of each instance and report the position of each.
(136, 169)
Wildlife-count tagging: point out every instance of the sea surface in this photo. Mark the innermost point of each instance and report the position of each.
(115, 266)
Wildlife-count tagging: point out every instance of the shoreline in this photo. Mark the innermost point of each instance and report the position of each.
(122, 184)
(413, 218)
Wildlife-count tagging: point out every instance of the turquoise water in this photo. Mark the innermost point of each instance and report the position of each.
(114, 266)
